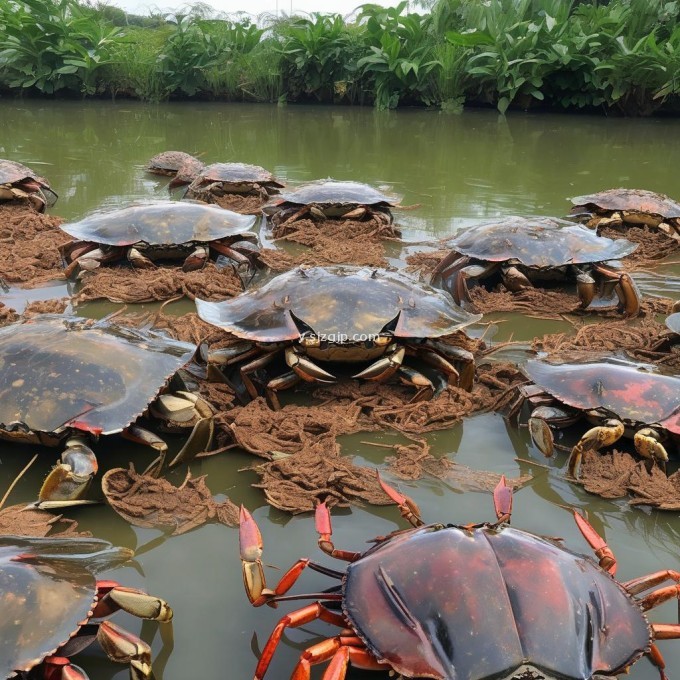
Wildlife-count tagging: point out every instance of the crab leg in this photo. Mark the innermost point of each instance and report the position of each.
(384, 368)
(597, 543)
(514, 280)
(196, 260)
(69, 480)
(407, 506)
(60, 668)
(253, 366)
(638, 585)
(139, 261)
(296, 619)
(594, 439)
(626, 290)
(341, 651)
(322, 520)
(283, 382)
(141, 435)
(409, 376)
(540, 430)
(440, 355)
(122, 646)
(231, 253)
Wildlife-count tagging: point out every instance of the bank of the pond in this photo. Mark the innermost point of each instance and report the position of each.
(622, 56)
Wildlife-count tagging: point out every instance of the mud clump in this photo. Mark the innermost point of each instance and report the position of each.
(120, 284)
(30, 243)
(618, 474)
(147, 501)
(23, 520)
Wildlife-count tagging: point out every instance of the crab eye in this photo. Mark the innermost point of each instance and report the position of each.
(382, 340)
(310, 341)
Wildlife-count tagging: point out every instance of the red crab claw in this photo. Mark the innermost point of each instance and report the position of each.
(250, 542)
(597, 543)
(60, 668)
(408, 508)
(502, 500)
(322, 521)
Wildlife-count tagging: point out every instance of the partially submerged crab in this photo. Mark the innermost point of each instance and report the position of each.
(158, 230)
(466, 602)
(629, 207)
(344, 315)
(619, 397)
(17, 182)
(53, 606)
(181, 166)
(69, 380)
(523, 252)
(330, 199)
(219, 179)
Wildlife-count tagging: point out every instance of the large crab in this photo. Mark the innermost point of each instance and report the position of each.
(331, 199)
(158, 230)
(69, 380)
(629, 207)
(219, 179)
(521, 252)
(467, 602)
(619, 397)
(53, 607)
(344, 315)
(17, 182)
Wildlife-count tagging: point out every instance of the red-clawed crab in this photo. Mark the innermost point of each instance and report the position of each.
(17, 182)
(467, 602)
(52, 608)
(158, 230)
(521, 252)
(347, 315)
(69, 380)
(618, 397)
(621, 208)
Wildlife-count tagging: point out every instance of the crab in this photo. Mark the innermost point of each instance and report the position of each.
(629, 207)
(522, 251)
(66, 380)
(344, 315)
(330, 199)
(474, 602)
(158, 230)
(53, 607)
(619, 397)
(219, 179)
(181, 166)
(17, 182)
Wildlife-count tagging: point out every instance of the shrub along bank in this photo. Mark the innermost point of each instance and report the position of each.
(621, 55)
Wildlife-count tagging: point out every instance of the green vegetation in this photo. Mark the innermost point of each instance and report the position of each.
(619, 55)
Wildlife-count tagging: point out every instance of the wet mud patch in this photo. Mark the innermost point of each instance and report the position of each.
(147, 501)
(618, 474)
(30, 242)
(127, 285)
(23, 520)
(246, 204)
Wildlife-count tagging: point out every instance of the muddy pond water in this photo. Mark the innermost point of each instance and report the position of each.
(458, 169)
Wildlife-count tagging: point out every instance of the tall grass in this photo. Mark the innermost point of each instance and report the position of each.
(620, 55)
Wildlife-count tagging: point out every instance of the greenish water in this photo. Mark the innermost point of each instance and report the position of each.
(458, 168)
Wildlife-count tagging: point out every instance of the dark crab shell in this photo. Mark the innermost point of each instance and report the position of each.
(12, 172)
(622, 389)
(455, 603)
(160, 223)
(538, 242)
(47, 588)
(673, 323)
(637, 200)
(337, 301)
(333, 192)
(59, 372)
(237, 173)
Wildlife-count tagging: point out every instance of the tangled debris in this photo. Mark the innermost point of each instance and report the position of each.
(122, 284)
(309, 232)
(653, 245)
(23, 520)
(246, 204)
(7, 315)
(151, 502)
(619, 474)
(30, 242)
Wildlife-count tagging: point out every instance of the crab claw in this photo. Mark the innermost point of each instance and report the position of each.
(250, 543)
(407, 506)
(540, 431)
(113, 597)
(60, 668)
(502, 500)
(69, 480)
(122, 646)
